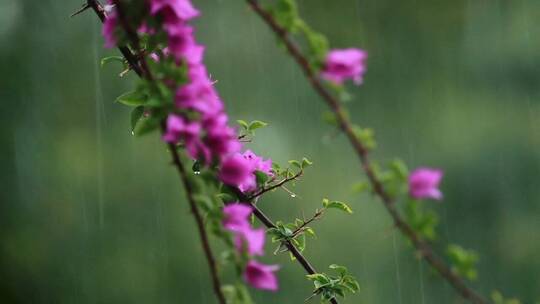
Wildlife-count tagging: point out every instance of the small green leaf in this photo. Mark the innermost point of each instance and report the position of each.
(310, 232)
(342, 270)
(136, 115)
(145, 126)
(243, 124)
(132, 99)
(110, 59)
(256, 124)
(262, 178)
(337, 205)
(295, 163)
(360, 187)
(306, 163)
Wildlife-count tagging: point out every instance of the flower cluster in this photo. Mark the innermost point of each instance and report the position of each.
(200, 123)
(344, 64)
(250, 241)
(239, 170)
(424, 184)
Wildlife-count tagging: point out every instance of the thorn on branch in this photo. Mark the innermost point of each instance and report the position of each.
(81, 10)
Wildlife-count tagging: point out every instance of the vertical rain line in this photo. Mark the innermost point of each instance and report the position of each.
(421, 272)
(396, 262)
(100, 115)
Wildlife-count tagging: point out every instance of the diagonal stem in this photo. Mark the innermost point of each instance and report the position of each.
(345, 125)
(144, 72)
(263, 218)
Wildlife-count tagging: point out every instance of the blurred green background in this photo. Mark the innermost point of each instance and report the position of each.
(90, 214)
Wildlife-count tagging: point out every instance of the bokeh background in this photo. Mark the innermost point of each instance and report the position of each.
(90, 214)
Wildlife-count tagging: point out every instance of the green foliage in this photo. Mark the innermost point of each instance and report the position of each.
(360, 187)
(110, 59)
(463, 261)
(136, 115)
(423, 222)
(285, 12)
(366, 136)
(249, 128)
(236, 294)
(331, 286)
(132, 99)
(498, 298)
(327, 204)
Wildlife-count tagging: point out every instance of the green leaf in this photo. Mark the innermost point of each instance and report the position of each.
(318, 277)
(342, 270)
(145, 126)
(361, 187)
(306, 163)
(337, 205)
(261, 177)
(256, 124)
(136, 115)
(310, 232)
(243, 124)
(295, 163)
(366, 136)
(132, 99)
(110, 59)
(463, 261)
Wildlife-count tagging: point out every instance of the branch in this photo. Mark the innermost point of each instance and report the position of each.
(128, 55)
(145, 72)
(200, 223)
(259, 214)
(275, 186)
(362, 152)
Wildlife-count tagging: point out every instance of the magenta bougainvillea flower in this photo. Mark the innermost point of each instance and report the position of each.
(109, 27)
(424, 183)
(178, 128)
(259, 163)
(236, 170)
(344, 64)
(251, 240)
(261, 276)
(180, 9)
(236, 217)
(201, 124)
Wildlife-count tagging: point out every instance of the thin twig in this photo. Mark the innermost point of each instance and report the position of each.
(145, 72)
(259, 214)
(318, 214)
(128, 55)
(345, 125)
(275, 186)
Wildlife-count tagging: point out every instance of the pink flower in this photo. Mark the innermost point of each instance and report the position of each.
(258, 162)
(261, 276)
(180, 9)
(345, 64)
(424, 183)
(236, 217)
(178, 129)
(253, 239)
(109, 29)
(182, 44)
(236, 170)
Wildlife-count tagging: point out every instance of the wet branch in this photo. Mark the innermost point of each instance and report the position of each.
(263, 218)
(143, 71)
(345, 125)
(275, 186)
